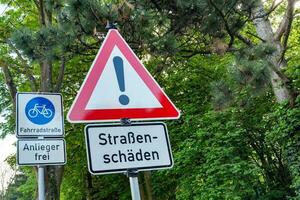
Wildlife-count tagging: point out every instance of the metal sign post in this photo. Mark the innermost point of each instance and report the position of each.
(128, 148)
(134, 184)
(41, 179)
(41, 182)
(132, 174)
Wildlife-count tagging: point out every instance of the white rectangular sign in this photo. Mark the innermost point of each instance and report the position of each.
(39, 114)
(114, 148)
(41, 152)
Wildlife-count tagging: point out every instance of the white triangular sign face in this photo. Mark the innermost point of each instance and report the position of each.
(119, 86)
(135, 88)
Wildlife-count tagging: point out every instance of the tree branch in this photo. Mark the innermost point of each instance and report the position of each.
(190, 53)
(285, 24)
(36, 4)
(256, 36)
(282, 76)
(28, 72)
(286, 34)
(268, 12)
(39, 5)
(245, 40)
(273, 7)
(156, 5)
(59, 79)
(10, 84)
(225, 23)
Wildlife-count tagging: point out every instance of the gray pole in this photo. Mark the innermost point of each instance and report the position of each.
(132, 173)
(41, 182)
(134, 185)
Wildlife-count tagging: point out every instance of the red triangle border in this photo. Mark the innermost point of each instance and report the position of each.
(78, 113)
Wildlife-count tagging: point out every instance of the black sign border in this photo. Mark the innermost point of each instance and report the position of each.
(35, 136)
(122, 170)
(43, 164)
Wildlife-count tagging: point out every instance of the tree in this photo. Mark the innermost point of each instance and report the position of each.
(20, 188)
(279, 39)
(215, 27)
(38, 52)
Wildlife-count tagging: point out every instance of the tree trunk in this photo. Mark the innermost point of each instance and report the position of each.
(10, 84)
(145, 185)
(53, 174)
(89, 186)
(265, 32)
(148, 187)
(46, 76)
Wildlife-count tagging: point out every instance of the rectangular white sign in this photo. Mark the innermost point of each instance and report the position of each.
(41, 152)
(39, 114)
(114, 148)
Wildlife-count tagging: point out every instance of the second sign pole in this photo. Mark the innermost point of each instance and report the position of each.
(41, 182)
(134, 184)
(131, 173)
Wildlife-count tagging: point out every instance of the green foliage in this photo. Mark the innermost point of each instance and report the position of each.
(47, 43)
(208, 160)
(23, 187)
(293, 69)
(248, 75)
(252, 68)
(5, 110)
(28, 189)
(284, 130)
(227, 170)
(222, 93)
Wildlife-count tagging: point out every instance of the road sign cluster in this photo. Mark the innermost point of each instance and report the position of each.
(117, 87)
(40, 128)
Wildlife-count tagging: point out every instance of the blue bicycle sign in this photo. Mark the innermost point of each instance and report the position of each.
(39, 110)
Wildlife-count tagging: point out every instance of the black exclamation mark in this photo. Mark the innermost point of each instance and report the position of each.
(119, 68)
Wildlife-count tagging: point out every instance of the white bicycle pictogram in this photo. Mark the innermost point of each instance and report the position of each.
(40, 109)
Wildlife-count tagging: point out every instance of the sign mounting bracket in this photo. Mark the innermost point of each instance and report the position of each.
(125, 121)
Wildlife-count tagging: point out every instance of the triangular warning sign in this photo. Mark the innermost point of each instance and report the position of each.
(119, 86)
